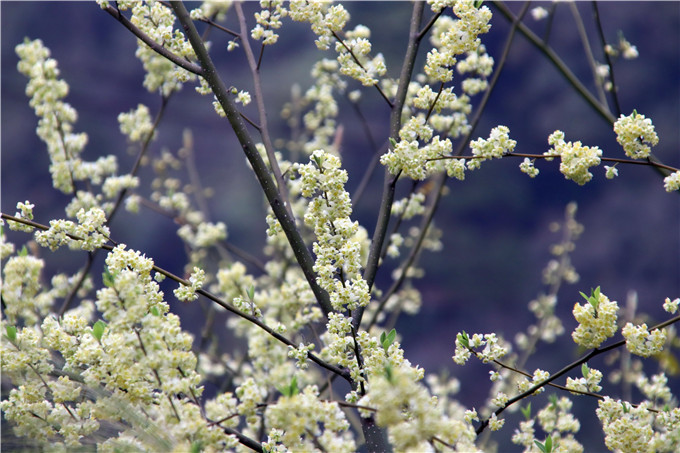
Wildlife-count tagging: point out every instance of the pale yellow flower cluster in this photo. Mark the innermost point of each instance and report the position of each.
(636, 134)
(576, 159)
(337, 251)
(157, 21)
(268, 19)
(461, 37)
(136, 124)
(640, 341)
(597, 321)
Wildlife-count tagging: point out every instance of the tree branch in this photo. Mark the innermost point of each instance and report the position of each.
(182, 63)
(302, 254)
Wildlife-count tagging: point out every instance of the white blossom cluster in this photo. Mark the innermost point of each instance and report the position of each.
(590, 382)
(157, 21)
(353, 57)
(323, 17)
(596, 321)
(640, 341)
(89, 233)
(136, 362)
(498, 144)
(136, 124)
(458, 39)
(336, 248)
(636, 134)
(493, 348)
(576, 159)
(303, 422)
(55, 128)
(268, 19)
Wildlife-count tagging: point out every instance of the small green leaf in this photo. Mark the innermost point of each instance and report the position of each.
(478, 3)
(196, 446)
(291, 389)
(548, 444)
(155, 312)
(625, 407)
(386, 340)
(526, 411)
(251, 292)
(540, 446)
(23, 251)
(11, 333)
(463, 339)
(585, 371)
(98, 329)
(107, 277)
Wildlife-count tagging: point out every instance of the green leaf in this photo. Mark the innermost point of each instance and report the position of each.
(387, 340)
(478, 3)
(526, 411)
(23, 251)
(107, 277)
(98, 329)
(585, 371)
(463, 339)
(155, 312)
(393, 143)
(540, 446)
(291, 389)
(251, 292)
(196, 446)
(11, 333)
(545, 447)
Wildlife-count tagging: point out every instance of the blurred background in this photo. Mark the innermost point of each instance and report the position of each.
(495, 224)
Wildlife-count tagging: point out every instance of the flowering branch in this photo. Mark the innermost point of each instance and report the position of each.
(186, 283)
(182, 63)
(594, 353)
(274, 197)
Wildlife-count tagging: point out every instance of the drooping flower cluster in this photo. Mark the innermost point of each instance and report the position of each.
(640, 341)
(89, 233)
(635, 133)
(576, 159)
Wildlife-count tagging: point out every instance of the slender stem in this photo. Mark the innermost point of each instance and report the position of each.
(302, 254)
(603, 43)
(356, 60)
(261, 110)
(391, 180)
(594, 353)
(557, 61)
(589, 52)
(647, 163)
